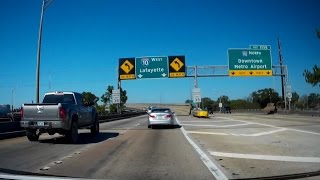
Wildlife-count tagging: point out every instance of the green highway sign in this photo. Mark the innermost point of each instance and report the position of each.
(249, 62)
(152, 67)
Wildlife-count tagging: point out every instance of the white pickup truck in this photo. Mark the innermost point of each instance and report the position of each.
(60, 112)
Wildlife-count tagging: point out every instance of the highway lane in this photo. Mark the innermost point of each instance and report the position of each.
(125, 149)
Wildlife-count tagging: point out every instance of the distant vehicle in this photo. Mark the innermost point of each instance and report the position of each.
(60, 112)
(160, 116)
(197, 112)
(4, 111)
(15, 116)
(210, 110)
(226, 109)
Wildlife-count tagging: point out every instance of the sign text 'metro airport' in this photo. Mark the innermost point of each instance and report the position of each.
(152, 67)
(250, 62)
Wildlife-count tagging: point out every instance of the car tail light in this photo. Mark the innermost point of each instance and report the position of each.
(21, 112)
(168, 116)
(152, 116)
(62, 113)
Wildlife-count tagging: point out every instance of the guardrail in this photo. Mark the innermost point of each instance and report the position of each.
(13, 129)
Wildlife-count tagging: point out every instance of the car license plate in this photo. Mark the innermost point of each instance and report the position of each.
(160, 117)
(40, 123)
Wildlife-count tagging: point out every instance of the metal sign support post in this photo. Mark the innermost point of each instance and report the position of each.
(118, 105)
(196, 82)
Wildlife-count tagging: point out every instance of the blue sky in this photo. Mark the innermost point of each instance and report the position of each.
(83, 40)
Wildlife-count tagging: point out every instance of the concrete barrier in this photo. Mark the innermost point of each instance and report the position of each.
(179, 109)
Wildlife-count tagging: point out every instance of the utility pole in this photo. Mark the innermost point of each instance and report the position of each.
(45, 4)
(281, 71)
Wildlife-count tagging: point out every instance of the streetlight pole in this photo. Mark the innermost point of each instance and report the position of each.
(45, 4)
(12, 91)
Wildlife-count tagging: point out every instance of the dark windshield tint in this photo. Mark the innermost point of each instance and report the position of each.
(161, 110)
(65, 98)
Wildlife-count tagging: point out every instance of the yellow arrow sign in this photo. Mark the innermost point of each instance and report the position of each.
(250, 73)
(176, 64)
(127, 66)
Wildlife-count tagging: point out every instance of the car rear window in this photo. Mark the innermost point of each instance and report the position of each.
(58, 98)
(161, 110)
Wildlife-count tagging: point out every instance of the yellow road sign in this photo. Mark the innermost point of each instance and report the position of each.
(176, 64)
(250, 72)
(127, 66)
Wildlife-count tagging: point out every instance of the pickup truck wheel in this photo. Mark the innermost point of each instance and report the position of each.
(32, 135)
(95, 127)
(72, 134)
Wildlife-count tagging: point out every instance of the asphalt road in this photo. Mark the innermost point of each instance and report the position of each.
(236, 146)
(125, 149)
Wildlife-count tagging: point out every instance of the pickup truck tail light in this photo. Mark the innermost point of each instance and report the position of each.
(62, 113)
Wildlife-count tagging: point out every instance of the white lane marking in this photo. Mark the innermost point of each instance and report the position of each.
(290, 129)
(264, 133)
(30, 177)
(234, 134)
(210, 121)
(221, 126)
(308, 132)
(267, 157)
(215, 171)
(212, 133)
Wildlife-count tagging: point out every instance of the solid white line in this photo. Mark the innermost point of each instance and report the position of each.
(210, 121)
(297, 130)
(267, 157)
(215, 171)
(212, 133)
(234, 134)
(308, 132)
(264, 133)
(204, 125)
(31, 177)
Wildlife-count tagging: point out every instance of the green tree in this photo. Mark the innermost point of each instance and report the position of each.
(224, 99)
(188, 101)
(303, 102)
(295, 99)
(265, 96)
(312, 78)
(101, 109)
(106, 98)
(243, 104)
(90, 97)
(207, 102)
(313, 100)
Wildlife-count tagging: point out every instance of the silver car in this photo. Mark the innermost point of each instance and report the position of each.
(160, 116)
